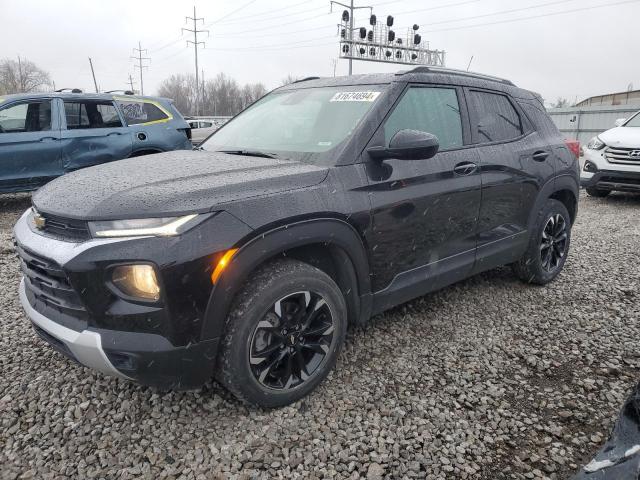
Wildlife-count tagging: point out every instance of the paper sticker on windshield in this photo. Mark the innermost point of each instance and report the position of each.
(355, 97)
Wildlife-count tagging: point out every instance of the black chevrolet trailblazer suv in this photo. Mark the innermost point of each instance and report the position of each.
(322, 204)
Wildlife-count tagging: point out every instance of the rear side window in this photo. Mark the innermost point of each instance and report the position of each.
(429, 109)
(137, 111)
(494, 118)
(26, 117)
(91, 114)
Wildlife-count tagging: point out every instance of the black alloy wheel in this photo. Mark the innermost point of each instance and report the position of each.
(553, 244)
(292, 340)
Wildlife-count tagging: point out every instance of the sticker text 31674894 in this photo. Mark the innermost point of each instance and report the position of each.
(354, 97)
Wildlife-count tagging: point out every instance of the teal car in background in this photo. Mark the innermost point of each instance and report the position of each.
(45, 135)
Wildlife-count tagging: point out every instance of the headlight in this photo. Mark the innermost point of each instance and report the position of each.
(596, 144)
(162, 227)
(138, 281)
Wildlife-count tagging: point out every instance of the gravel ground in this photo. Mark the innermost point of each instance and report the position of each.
(487, 379)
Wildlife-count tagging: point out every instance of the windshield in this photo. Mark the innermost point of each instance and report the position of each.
(634, 121)
(304, 124)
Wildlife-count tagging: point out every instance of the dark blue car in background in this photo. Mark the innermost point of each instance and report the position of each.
(45, 135)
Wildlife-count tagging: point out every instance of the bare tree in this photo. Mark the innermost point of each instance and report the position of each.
(180, 89)
(561, 103)
(289, 79)
(20, 76)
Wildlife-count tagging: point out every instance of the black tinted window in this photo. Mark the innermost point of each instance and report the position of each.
(495, 117)
(26, 117)
(431, 110)
(137, 112)
(91, 114)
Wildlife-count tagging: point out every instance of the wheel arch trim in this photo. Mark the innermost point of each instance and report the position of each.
(261, 247)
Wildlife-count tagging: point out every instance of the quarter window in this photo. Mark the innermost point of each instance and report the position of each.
(137, 112)
(495, 117)
(91, 114)
(429, 109)
(26, 117)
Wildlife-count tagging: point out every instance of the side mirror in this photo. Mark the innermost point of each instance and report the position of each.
(619, 122)
(408, 145)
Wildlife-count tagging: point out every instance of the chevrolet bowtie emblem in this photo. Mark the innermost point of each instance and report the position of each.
(39, 221)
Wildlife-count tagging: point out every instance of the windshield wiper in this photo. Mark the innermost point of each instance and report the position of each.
(249, 153)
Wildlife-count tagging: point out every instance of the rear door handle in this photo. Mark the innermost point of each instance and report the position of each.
(113, 133)
(540, 156)
(47, 138)
(465, 168)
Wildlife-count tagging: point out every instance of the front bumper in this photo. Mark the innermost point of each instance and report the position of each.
(609, 176)
(122, 339)
(611, 180)
(84, 347)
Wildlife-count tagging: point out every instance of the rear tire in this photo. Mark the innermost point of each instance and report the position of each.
(548, 246)
(594, 192)
(283, 334)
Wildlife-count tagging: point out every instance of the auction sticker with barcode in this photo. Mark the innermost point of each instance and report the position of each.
(355, 97)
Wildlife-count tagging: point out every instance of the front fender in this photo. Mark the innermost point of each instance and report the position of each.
(258, 249)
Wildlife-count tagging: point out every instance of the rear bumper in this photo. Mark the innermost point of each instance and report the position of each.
(611, 180)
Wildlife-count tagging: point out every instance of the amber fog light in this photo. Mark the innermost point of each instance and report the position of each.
(139, 281)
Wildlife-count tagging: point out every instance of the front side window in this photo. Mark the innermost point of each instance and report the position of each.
(137, 112)
(26, 117)
(496, 119)
(429, 109)
(302, 124)
(91, 114)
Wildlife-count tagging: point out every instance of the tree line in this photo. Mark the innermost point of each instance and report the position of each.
(221, 95)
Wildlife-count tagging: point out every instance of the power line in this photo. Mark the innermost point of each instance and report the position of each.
(502, 12)
(140, 65)
(195, 43)
(498, 22)
(242, 7)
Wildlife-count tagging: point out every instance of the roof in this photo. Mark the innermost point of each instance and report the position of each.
(418, 74)
(94, 96)
(624, 98)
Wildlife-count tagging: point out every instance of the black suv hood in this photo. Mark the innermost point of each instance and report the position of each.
(171, 183)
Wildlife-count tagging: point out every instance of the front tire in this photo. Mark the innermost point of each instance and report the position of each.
(548, 246)
(595, 192)
(283, 334)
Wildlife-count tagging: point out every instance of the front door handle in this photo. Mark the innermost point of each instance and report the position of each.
(47, 138)
(540, 156)
(465, 168)
(114, 133)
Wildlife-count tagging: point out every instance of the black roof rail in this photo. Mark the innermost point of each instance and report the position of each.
(73, 90)
(452, 71)
(305, 79)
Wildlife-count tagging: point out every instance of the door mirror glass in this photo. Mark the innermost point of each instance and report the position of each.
(619, 122)
(408, 145)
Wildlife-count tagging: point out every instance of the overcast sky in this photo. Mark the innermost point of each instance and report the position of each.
(583, 52)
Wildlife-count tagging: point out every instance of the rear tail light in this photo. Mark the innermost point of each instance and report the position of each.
(573, 146)
(186, 131)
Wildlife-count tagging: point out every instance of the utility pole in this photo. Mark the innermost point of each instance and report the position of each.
(350, 33)
(334, 64)
(130, 82)
(140, 66)
(93, 74)
(195, 42)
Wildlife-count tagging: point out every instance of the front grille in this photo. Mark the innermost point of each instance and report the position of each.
(627, 156)
(48, 283)
(65, 228)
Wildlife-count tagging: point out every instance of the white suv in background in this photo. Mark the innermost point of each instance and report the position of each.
(612, 159)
